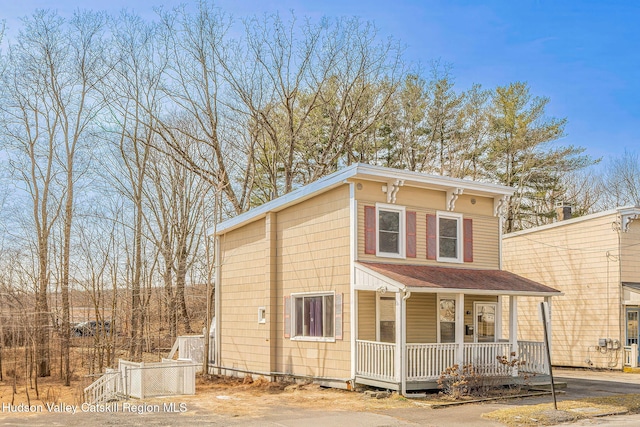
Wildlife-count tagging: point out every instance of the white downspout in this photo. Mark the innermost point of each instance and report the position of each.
(403, 348)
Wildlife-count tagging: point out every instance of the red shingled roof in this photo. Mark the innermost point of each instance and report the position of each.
(422, 276)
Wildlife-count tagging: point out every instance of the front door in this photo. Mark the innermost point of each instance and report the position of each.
(485, 321)
(632, 327)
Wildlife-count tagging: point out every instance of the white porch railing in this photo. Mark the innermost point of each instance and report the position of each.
(533, 358)
(427, 361)
(631, 355)
(376, 360)
(484, 357)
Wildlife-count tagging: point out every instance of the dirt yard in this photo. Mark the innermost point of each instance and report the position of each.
(221, 395)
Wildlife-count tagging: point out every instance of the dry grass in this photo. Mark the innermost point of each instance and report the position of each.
(568, 410)
(252, 398)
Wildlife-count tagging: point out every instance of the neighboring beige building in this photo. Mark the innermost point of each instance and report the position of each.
(594, 261)
(369, 275)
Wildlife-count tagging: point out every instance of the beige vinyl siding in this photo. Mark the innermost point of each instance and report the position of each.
(366, 315)
(421, 318)
(486, 240)
(422, 321)
(581, 260)
(313, 256)
(422, 198)
(242, 291)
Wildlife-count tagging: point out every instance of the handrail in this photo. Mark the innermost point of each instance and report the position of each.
(103, 389)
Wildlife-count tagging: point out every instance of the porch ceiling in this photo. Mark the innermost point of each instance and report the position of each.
(434, 279)
(632, 286)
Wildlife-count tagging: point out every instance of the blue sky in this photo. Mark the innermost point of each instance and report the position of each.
(583, 55)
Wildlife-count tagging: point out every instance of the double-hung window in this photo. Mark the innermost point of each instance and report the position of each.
(391, 231)
(449, 240)
(314, 316)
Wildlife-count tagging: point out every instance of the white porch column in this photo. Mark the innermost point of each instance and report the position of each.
(459, 329)
(513, 329)
(399, 320)
(499, 310)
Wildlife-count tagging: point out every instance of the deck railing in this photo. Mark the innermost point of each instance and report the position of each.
(484, 358)
(532, 357)
(376, 360)
(425, 362)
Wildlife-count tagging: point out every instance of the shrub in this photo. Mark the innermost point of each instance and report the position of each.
(458, 381)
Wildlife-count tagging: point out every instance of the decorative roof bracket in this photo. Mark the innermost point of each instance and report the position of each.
(392, 189)
(452, 196)
(627, 219)
(500, 205)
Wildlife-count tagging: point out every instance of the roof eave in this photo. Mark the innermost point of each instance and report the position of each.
(363, 171)
(483, 292)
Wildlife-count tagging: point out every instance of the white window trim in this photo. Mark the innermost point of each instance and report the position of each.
(402, 245)
(262, 315)
(441, 297)
(459, 242)
(294, 337)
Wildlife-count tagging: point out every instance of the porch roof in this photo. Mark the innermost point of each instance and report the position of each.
(449, 279)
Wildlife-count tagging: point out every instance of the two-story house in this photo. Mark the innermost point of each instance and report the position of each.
(593, 260)
(373, 276)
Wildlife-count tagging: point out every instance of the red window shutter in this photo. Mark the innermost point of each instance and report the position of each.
(287, 317)
(467, 231)
(431, 236)
(370, 230)
(411, 234)
(338, 317)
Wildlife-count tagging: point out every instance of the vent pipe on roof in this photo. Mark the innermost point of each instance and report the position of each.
(563, 211)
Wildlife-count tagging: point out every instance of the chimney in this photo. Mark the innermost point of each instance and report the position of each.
(563, 211)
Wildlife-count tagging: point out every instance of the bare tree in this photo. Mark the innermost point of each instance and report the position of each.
(621, 181)
(132, 91)
(175, 196)
(313, 93)
(73, 84)
(32, 123)
(193, 45)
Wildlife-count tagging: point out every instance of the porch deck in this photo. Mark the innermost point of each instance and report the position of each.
(377, 363)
